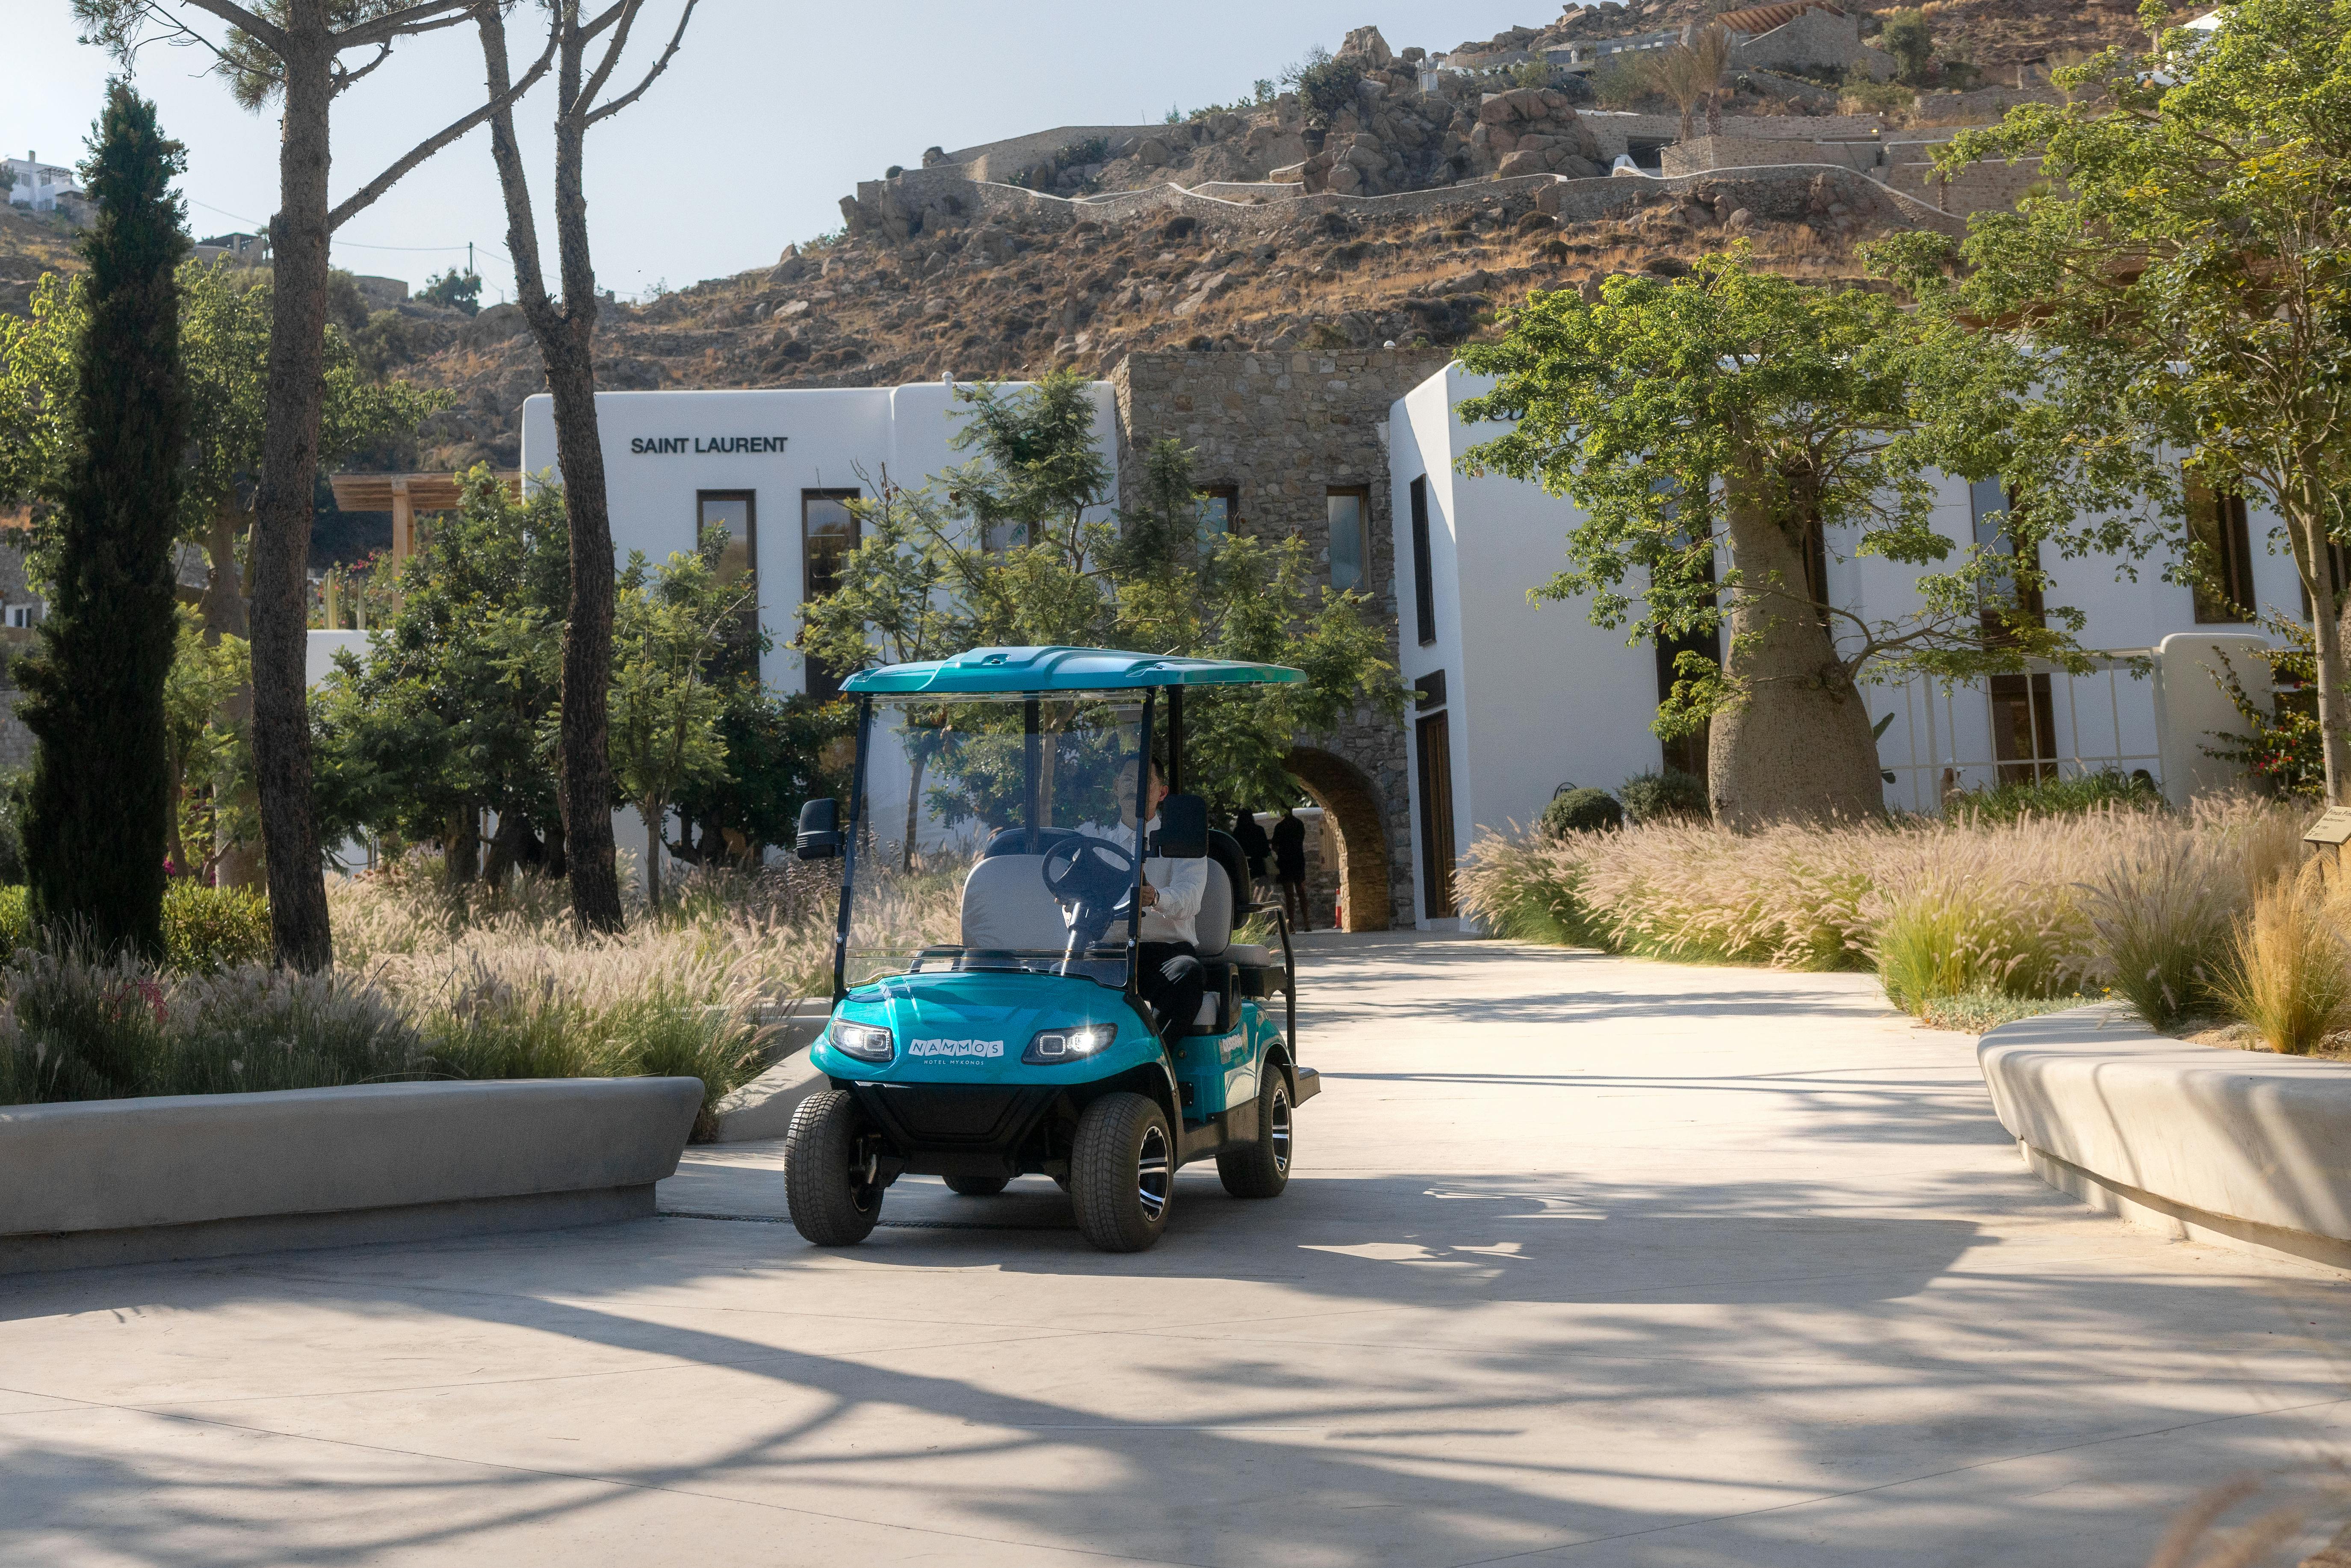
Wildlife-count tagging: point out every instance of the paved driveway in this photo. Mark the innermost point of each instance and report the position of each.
(1588, 1263)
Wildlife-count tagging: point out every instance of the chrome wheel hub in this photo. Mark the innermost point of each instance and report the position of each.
(1151, 1174)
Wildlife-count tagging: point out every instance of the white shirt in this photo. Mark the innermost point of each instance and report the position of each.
(1181, 884)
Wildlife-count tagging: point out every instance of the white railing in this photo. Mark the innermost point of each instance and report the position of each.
(1944, 733)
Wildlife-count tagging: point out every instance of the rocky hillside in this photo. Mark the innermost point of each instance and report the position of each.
(30, 245)
(923, 282)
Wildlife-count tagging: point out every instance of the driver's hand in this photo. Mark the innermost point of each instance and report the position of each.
(1150, 896)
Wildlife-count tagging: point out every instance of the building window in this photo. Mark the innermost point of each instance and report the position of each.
(2023, 729)
(736, 513)
(1220, 510)
(1350, 551)
(1435, 749)
(1990, 501)
(827, 533)
(1424, 581)
(2224, 579)
(20, 617)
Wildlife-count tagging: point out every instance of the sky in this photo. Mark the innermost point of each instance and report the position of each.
(770, 113)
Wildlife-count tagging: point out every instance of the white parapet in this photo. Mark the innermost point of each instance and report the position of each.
(2239, 1148)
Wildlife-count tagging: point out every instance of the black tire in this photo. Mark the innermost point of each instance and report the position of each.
(1123, 1173)
(833, 1200)
(1262, 1169)
(977, 1186)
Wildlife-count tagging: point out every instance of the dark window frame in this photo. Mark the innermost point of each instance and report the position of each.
(2217, 520)
(821, 681)
(1363, 495)
(1230, 495)
(1433, 760)
(1424, 575)
(751, 499)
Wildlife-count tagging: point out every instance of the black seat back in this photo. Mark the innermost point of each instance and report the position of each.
(1226, 850)
(1183, 826)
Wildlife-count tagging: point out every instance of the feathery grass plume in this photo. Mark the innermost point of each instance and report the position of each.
(2162, 919)
(2288, 971)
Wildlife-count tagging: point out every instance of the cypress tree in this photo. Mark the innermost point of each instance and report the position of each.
(99, 797)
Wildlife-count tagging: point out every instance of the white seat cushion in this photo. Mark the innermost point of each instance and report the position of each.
(1005, 906)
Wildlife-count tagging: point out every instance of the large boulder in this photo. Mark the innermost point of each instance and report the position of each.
(1365, 46)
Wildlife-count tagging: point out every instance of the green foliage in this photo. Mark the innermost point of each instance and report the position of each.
(1531, 73)
(2162, 926)
(671, 628)
(208, 928)
(2189, 281)
(208, 753)
(98, 804)
(446, 713)
(16, 921)
(1579, 810)
(1907, 39)
(1977, 1011)
(1019, 551)
(459, 290)
(2281, 747)
(2108, 788)
(1660, 406)
(1325, 86)
(1665, 795)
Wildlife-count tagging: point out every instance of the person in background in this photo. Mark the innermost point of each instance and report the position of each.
(1289, 865)
(1255, 847)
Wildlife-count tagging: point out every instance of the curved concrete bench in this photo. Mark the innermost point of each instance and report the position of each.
(2240, 1148)
(202, 1176)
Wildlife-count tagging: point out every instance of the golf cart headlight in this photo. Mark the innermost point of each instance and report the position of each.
(1069, 1044)
(862, 1040)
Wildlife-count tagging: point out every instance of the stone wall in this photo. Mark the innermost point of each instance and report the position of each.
(1814, 39)
(1980, 187)
(1701, 153)
(1282, 430)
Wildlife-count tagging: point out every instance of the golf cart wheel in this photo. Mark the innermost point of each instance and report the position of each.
(1262, 1169)
(829, 1173)
(1123, 1173)
(975, 1187)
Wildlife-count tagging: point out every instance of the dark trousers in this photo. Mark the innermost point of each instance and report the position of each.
(1173, 982)
(1293, 903)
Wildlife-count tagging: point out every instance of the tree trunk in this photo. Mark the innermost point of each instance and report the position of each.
(236, 864)
(914, 807)
(1796, 746)
(2306, 527)
(565, 334)
(652, 812)
(461, 851)
(505, 848)
(557, 864)
(281, 523)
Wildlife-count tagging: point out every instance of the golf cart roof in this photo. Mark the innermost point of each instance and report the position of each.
(1010, 671)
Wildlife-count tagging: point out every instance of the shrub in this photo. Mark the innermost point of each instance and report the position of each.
(1974, 1012)
(15, 924)
(2288, 972)
(1324, 86)
(252, 1027)
(2162, 923)
(208, 928)
(1574, 810)
(79, 1027)
(2062, 796)
(1666, 795)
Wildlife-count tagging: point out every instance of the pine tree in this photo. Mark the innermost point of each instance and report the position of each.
(98, 804)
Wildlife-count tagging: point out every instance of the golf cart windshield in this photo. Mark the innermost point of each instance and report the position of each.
(989, 833)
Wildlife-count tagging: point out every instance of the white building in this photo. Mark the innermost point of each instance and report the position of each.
(1514, 699)
(1517, 698)
(37, 184)
(770, 466)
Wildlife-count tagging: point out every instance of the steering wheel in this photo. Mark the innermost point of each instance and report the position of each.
(1094, 879)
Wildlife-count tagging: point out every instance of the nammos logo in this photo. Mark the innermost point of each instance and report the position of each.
(958, 1049)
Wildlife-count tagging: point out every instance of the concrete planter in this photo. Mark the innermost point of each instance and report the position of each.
(2238, 1148)
(115, 1181)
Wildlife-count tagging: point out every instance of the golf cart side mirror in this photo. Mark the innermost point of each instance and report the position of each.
(820, 834)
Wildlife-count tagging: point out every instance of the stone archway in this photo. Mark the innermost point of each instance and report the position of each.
(1340, 789)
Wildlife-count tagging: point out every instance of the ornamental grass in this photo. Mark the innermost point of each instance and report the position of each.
(431, 983)
(2041, 907)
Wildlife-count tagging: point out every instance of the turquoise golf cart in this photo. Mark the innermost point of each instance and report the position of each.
(1025, 1047)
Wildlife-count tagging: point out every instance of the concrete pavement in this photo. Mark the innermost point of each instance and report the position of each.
(1587, 1261)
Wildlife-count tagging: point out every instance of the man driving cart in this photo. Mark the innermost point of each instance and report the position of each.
(1094, 1021)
